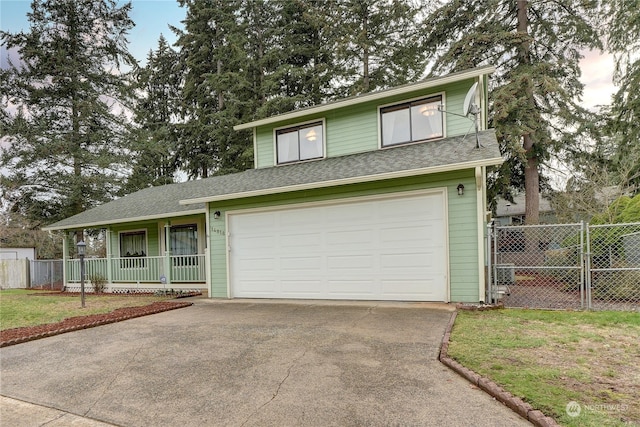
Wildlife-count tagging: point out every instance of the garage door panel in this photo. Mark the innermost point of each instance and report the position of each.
(252, 264)
(300, 241)
(337, 215)
(302, 265)
(351, 288)
(308, 287)
(352, 239)
(409, 290)
(259, 287)
(347, 261)
(387, 248)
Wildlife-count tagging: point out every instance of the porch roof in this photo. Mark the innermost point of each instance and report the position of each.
(179, 199)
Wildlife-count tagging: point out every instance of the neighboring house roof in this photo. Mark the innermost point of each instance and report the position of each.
(517, 207)
(402, 161)
(372, 96)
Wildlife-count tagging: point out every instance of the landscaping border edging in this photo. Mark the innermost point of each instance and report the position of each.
(516, 404)
(150, 309)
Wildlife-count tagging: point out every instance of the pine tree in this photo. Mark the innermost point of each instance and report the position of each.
(622, 30)
(535, 91)
(66, 96)
(212, 52)
(376, 44)
(153, 142)
(298, 61)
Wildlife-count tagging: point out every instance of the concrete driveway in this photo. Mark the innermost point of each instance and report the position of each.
(247, 363)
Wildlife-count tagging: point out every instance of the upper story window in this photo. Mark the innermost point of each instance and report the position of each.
(413, 121)
(297, 143)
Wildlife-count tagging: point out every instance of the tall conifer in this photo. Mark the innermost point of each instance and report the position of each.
(535, 92)
(66, 99)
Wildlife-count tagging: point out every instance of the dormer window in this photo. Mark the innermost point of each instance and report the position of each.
(298, 143)
(414, 121)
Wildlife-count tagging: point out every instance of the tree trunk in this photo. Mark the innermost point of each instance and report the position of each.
(365, 54)
(531, 183)
(531, 174)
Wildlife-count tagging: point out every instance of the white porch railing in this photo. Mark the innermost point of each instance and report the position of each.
(182, 269)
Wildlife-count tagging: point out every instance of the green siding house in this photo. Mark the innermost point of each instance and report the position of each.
(375, 197)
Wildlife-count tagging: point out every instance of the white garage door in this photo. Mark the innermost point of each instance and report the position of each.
(391, 248)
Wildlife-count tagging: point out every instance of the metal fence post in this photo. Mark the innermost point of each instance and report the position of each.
(489, 296)
(587, 267)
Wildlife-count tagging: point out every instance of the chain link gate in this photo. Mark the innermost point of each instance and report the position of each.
(565, 266)
(613, 264)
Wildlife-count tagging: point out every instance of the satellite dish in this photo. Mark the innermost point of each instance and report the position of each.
(469, 107)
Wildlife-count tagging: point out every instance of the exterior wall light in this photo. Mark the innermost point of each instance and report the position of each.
(216, 215)
(460, 188)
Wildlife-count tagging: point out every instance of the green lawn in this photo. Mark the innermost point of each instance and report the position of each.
(551, 358)
(27, 307)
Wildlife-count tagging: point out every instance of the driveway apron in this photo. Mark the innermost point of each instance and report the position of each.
(254, 363)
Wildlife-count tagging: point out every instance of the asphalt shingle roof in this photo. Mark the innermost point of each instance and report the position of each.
(416, 159)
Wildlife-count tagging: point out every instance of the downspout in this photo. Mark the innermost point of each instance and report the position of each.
(480, 215)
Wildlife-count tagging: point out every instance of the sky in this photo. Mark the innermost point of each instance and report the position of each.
(153, 17)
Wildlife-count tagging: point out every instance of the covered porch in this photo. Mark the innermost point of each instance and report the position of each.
(125, 274)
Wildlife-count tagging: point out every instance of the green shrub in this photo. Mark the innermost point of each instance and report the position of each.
(616, 285)
(99, 282)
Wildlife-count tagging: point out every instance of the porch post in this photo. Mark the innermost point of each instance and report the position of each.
(109, 256)
(65, 257)
(167, 252)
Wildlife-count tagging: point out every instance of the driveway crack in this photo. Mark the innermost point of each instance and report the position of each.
(115, 377)
(277, 391)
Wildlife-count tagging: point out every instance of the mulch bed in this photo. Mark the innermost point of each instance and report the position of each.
(29, 333)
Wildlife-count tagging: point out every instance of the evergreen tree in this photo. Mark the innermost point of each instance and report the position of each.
(299, 60)
(623, 35)
(65, 131)
(211, 49)
(535, 91)
(376, 44)
(153, 141)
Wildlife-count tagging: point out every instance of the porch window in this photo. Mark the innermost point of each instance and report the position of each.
(304, 142)
(133, 244)
(412, 121)
(184, 241)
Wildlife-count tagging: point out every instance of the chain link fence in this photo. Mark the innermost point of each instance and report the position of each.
(46, 274)
(566, 266)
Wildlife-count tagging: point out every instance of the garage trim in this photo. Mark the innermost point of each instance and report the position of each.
(442, 191)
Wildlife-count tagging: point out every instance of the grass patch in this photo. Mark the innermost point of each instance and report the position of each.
(28, 307)
(550, 358)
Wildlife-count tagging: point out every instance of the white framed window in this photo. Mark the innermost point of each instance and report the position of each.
(299, 143)
(183, 239)
(412, 121)
(133, 243)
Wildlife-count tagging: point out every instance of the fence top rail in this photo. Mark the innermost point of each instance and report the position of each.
(623, 224)
(577, 224)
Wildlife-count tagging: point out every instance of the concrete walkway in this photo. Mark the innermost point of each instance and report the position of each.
(248, 363)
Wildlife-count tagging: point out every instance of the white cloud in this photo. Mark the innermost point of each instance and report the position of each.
(597, 76)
